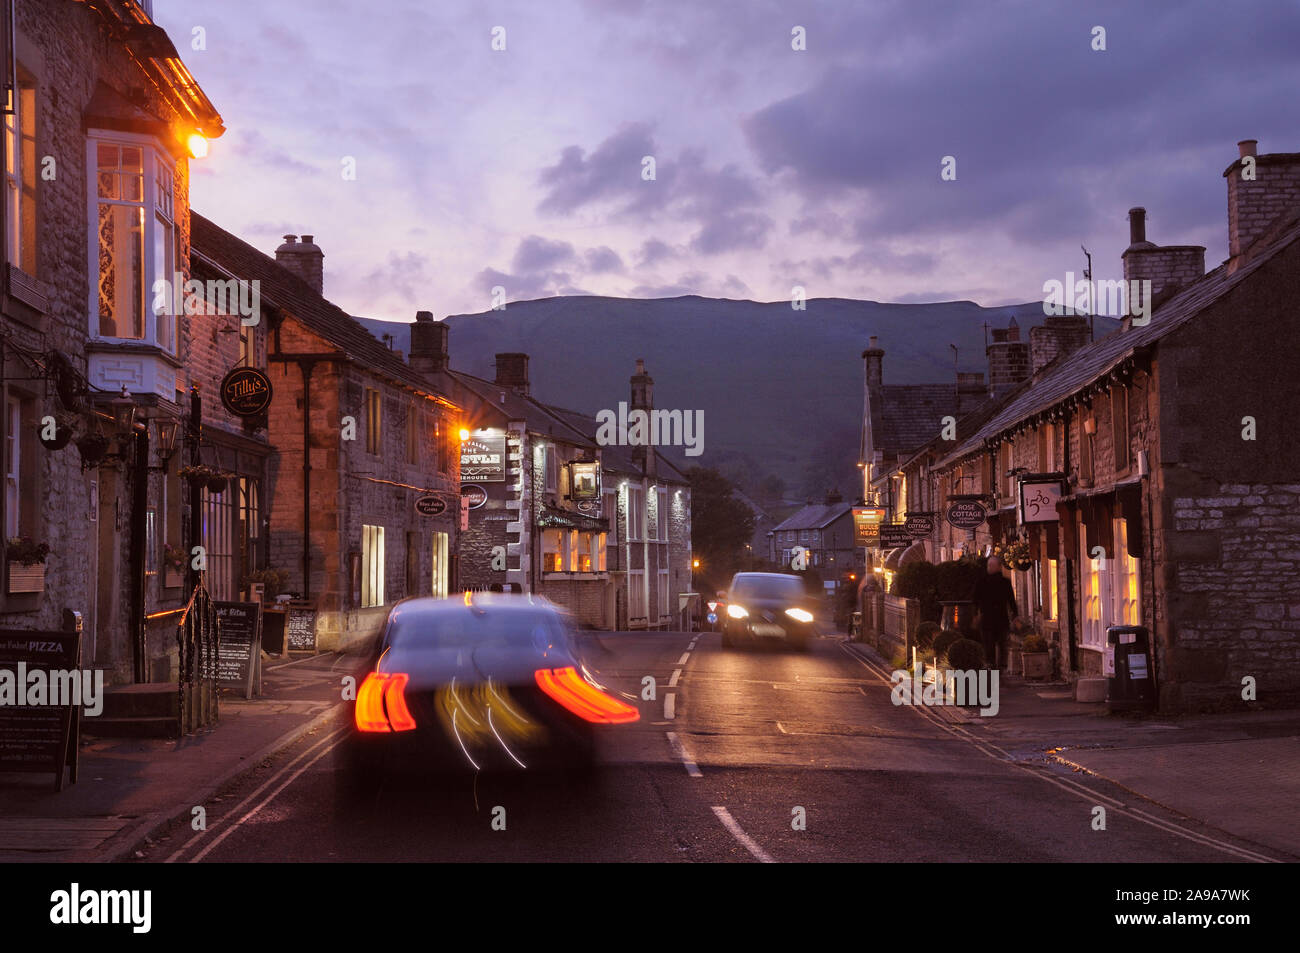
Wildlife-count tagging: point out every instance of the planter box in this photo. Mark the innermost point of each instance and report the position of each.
(26, 578)
(1037, 664)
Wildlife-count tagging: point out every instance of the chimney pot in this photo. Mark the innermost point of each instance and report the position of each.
(512, 371)
(1246, 147)
(307, 239)
(304, 259)
(1137, 226)
(290, 239)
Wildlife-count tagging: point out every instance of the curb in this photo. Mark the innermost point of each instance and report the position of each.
(115, 849)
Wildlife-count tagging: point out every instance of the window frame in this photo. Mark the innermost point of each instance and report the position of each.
(372, 566)
(372, 404)
(154, 158)
(22, 206)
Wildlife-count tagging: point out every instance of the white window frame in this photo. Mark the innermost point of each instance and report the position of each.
(154, 205)
(13, 466)
(15, 188)
(550, 468)
(661, 512)
(664, 611)
(441, 566)
(636, 594)
(635, 514)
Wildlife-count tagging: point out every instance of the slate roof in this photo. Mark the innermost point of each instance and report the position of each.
(1095, 360)
(909, 414)
(284, 289)
(616, 457)
(510, 404)
(814, 516)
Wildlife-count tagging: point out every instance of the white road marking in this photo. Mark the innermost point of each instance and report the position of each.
(781, 728)
(747, 842)
(672, 682)
(685, 656)
(691, 767)
(1065, 784)
(330, 742)
(670, 701)
(691, 646)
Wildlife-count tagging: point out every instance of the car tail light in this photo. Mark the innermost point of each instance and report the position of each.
(381, 703)
(582, 698)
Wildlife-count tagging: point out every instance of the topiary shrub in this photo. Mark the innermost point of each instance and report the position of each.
(966, 655)
(926, 633)
(945, 638)
(1034, 643)
(920, 581)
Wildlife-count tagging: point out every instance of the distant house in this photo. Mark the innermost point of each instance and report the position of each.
(825, 531)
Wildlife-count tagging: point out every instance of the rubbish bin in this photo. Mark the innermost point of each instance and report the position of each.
(1131, 686)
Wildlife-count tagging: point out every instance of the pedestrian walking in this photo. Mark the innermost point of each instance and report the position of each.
(995, 601)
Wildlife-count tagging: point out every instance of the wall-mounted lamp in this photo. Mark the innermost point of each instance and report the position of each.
(1090, 425)
(167, 429)
(124, 411)
(197, 143)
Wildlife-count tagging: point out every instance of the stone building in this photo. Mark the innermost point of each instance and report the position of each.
(358, 438)
(1152, 475)
(103, 121)
(825, 531)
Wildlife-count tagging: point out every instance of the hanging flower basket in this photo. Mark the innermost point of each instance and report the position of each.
(198, 475)
(217, 483)
(93, 448)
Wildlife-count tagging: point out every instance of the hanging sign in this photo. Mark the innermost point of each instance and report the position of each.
(1038, 501)
(966, 513)
(246, 392)
(894, 535)
(430, 505)
(474, 495)
(919, 525)
(866, 525)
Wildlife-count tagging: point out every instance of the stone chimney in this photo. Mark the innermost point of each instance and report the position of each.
(971, 391)
(1058, 336)
(512, 372)
(875, 361)
(1008, 359)
(1169, 268)
(428, 345)
(1261, 189)
(643, 398)
(304, 259)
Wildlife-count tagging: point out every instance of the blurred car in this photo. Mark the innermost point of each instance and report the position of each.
(764, 606)
(483, 682)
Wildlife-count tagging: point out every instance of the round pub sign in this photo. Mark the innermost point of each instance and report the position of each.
(475, 494)
(246, 392)
(430, 506)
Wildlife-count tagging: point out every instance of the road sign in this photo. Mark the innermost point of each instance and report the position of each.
(713, 606)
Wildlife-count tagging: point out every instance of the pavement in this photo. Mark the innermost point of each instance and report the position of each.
(1234, 773)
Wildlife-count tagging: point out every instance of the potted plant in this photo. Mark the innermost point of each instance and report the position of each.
(217, 482)
(270, 580)
(26, 560)
(64, 430)
(173, 566)
(1037, 663)
(200, 474)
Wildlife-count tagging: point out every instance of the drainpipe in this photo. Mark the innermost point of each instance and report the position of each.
(307, 368)
(139, 503)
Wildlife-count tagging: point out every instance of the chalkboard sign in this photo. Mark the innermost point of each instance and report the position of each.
(300, 629)
(239, 649)
(41, 737)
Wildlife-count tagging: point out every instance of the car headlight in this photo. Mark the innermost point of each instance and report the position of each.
(799, 615)
(737, 612)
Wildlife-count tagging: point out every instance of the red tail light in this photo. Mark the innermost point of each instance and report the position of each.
(380, 691)
(582, 698)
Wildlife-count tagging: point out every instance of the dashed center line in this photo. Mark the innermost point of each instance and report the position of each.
(729, 822)
(691, 767)
(670, 706)
(683, 659)
(672, 682)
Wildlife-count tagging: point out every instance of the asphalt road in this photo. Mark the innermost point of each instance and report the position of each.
(737, 747)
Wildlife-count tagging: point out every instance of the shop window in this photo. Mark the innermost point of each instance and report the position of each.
(1128, 606)
(372, 566)
(218, 542)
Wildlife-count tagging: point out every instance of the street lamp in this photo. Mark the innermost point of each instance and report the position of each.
(124, 411)
(167, 428)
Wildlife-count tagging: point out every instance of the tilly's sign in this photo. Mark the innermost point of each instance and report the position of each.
(483, 458)
(866, 525)
(965, 512)
(246, 392)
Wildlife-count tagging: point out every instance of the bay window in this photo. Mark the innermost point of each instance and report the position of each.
(134, 245)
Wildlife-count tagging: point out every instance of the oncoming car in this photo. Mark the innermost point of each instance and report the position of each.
(483, 682)
(767, 606)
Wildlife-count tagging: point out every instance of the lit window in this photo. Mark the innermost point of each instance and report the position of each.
(374, 421)
(372, 566)
(20, 175)
(134, 243)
